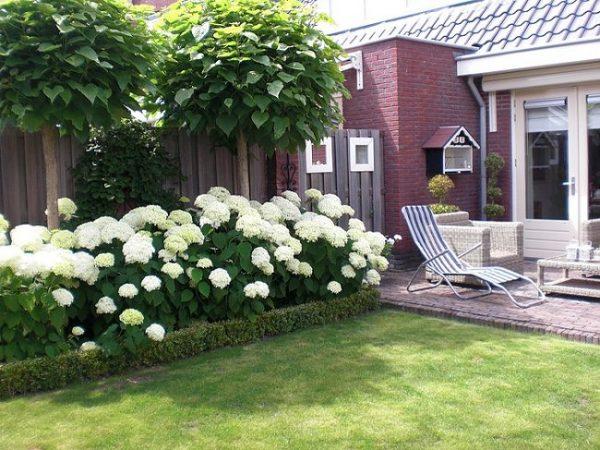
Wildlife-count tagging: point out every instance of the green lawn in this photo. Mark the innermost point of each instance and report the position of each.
(381, 381)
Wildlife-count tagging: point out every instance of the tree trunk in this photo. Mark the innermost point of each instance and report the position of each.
(242, 165)
(50, 149)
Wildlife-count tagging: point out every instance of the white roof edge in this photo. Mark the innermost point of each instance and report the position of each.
(583, 51)
(414, 39)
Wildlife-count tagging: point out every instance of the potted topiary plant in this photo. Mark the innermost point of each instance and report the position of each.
(494, 163)
(439, 187)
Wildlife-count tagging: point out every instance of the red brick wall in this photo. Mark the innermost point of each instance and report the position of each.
(500, 142)
(410, 89)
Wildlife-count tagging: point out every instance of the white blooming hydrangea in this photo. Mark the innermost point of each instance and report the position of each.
(180, 217)
(151, 283)
(313, 194)
(131, 317)
(3, 239)
(128, 290)
(88, 236)
(357, 261)
(249, 226)
(166, 256)
(331, 206)
(203, 200)
(172, 269)
(63, 297)
(4, 224)
(348, 210)
(138, 249)
(291, 212)
(166, 225)
(175, 245)
(336, 236)
(260, 257)
(271, 212)
(372, 277)
(77, 331)
(362, 247)
(279, 234)
(356, 224)
(237, 203)
(204, 263)
(295, 245)
(292, 197)
(88, 346)
(376, 241)
(103, 260)
(189, 232)
(85, 268)
(66, 208)
(334, 287)
(134, 219)
(308, 230)
(155, 332)
(102, 221)
(219, 192)
(121, 231)
(355, 234)
(10, 255)
(153, 214)
(348, 271)
(293, 266)
(305, 269)
(106, 305)
(379, 263)
(29, 237)
(219, 278)
(63, 239)
(215, 214)
(284, 253)
(256, 289)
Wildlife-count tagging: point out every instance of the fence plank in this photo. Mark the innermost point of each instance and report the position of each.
(207, 170)
(14, 186)
(378, 188)
(353, 180)
(302, 184)
(187, 165)
(36, 178)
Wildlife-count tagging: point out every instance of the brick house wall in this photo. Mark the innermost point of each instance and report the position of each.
(411, 89)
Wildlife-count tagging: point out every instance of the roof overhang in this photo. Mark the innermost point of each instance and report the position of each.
(566, 53)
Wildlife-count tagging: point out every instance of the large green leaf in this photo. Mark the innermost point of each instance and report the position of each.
(90, 91)
(274, 88)
(259, 118)
(183, 95)
(227, 123)
(88, 53)
(52, 93)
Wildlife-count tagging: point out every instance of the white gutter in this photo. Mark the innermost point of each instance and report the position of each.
(482, 144)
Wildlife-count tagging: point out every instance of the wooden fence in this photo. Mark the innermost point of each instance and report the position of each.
(22, 177)
(363, 190)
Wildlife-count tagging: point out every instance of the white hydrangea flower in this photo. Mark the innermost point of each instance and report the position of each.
(362, 247)
(249, 226)
(172, 269)
(308, 230)
(291, 212)
(260, 257)
(376, 241)
(203, 200)
(219, 192)
(334, 287)
(279, 234)
(153, 214)
(63, 239)
(237, 203)
(380, 263)
(88, 236)
(348, 271)
(267, 269)
(166, 225)
(295, 245)
(10, 256)
(348, 210)
(166, 256)
(155, 332)
(63, 297)
(219, 278)
(313, 194)
(372, 277)
(305, 269)
(88, 346)
(3, 239)
(85, 268)
(77, 331)
(180, 217)
(4, 224)
(331, 206)
(357, 261)
(106, 305)
(66, 208)
(336, 236)
(293, 266)
(271, 212)
(256, 289)
(131, 317)
(356, 224)
(128, 290)
(284, 253)
(292, 197)
(104, 260)
(216, 213)
(355, 234)
(29, 237)
(134, 219)
(204, 263)
(121, 231)
(138, 249)
(102, 221)
(151, 283)
(189, 232)
(175, 244)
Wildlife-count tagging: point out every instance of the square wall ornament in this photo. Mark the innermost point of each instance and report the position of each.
(319, 158)
(362, 154)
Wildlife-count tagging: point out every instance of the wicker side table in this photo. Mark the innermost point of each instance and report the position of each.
(567, 285)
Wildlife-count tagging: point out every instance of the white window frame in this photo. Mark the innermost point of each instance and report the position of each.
(458, 170)
(319, 168)
(370, 143)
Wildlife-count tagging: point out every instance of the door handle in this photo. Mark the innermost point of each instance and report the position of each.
(571, 184)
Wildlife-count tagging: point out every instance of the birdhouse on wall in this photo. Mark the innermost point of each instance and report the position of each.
(450, 150)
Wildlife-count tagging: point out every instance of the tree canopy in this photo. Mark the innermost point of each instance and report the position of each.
(253, 69)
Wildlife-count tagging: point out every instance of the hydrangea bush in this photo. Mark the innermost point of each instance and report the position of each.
(117, 284)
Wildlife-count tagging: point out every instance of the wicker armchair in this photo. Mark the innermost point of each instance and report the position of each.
(501, 242)
(591, 232)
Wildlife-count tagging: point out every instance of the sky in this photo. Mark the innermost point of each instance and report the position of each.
(350, 13)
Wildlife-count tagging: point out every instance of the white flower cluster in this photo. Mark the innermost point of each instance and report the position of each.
(219, 278)
(151, 283)
(155, 332)
(260, 258)
(106, 305)
(256, 289)
(138, 249)
(63, 297)
(66, 208)
(128, 290)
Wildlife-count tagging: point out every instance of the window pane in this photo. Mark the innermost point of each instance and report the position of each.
(547, 163)
(319, 155)
(362, 154)
(593, 123)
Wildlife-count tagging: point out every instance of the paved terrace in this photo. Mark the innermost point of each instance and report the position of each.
(573, 318)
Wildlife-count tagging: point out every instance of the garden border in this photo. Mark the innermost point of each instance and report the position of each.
(46, 373)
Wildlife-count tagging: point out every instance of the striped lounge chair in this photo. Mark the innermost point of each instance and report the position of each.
(441, 260)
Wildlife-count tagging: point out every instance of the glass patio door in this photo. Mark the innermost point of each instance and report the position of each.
(589, 131)
(547, 169)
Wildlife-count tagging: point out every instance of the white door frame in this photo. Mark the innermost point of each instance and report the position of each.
(544, 238)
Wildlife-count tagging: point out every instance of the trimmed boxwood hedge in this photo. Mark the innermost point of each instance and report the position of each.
(46, 373)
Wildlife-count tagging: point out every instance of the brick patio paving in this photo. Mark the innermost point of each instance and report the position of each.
(572, 318)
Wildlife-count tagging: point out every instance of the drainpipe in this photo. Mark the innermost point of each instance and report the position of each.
(482, 143)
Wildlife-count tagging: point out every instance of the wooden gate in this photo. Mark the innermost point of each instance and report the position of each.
(349, 164)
